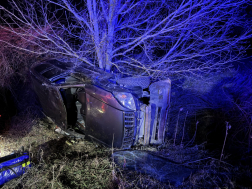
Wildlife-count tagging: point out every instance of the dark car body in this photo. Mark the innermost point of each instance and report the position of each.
(90, 98)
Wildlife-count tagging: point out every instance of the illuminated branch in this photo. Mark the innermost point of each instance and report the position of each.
(158, 38)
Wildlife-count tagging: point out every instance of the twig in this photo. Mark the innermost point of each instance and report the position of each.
(193, 138)
(113, 161)
(176, 128)
(206, 159)
(53, 177)
(181, 144)
(227, 127)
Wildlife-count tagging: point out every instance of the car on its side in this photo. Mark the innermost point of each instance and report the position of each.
(111, 111)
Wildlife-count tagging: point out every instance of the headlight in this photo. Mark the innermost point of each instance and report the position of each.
(126, 99)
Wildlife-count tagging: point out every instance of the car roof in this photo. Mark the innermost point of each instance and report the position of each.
(52, 69)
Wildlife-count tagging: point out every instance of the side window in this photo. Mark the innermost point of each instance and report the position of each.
(50, 74)
(60, 81)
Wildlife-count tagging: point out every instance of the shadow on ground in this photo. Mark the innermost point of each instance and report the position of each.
(155, 166)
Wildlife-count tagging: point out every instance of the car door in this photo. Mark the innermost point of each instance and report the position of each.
(50, 100)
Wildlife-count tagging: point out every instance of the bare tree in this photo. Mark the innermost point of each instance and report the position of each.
(158, 38)
(14, 62)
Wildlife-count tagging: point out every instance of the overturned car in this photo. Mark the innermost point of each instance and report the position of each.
(115, 112)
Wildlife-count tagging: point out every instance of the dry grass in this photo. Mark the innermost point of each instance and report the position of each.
(55, 163)
(87, 165)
